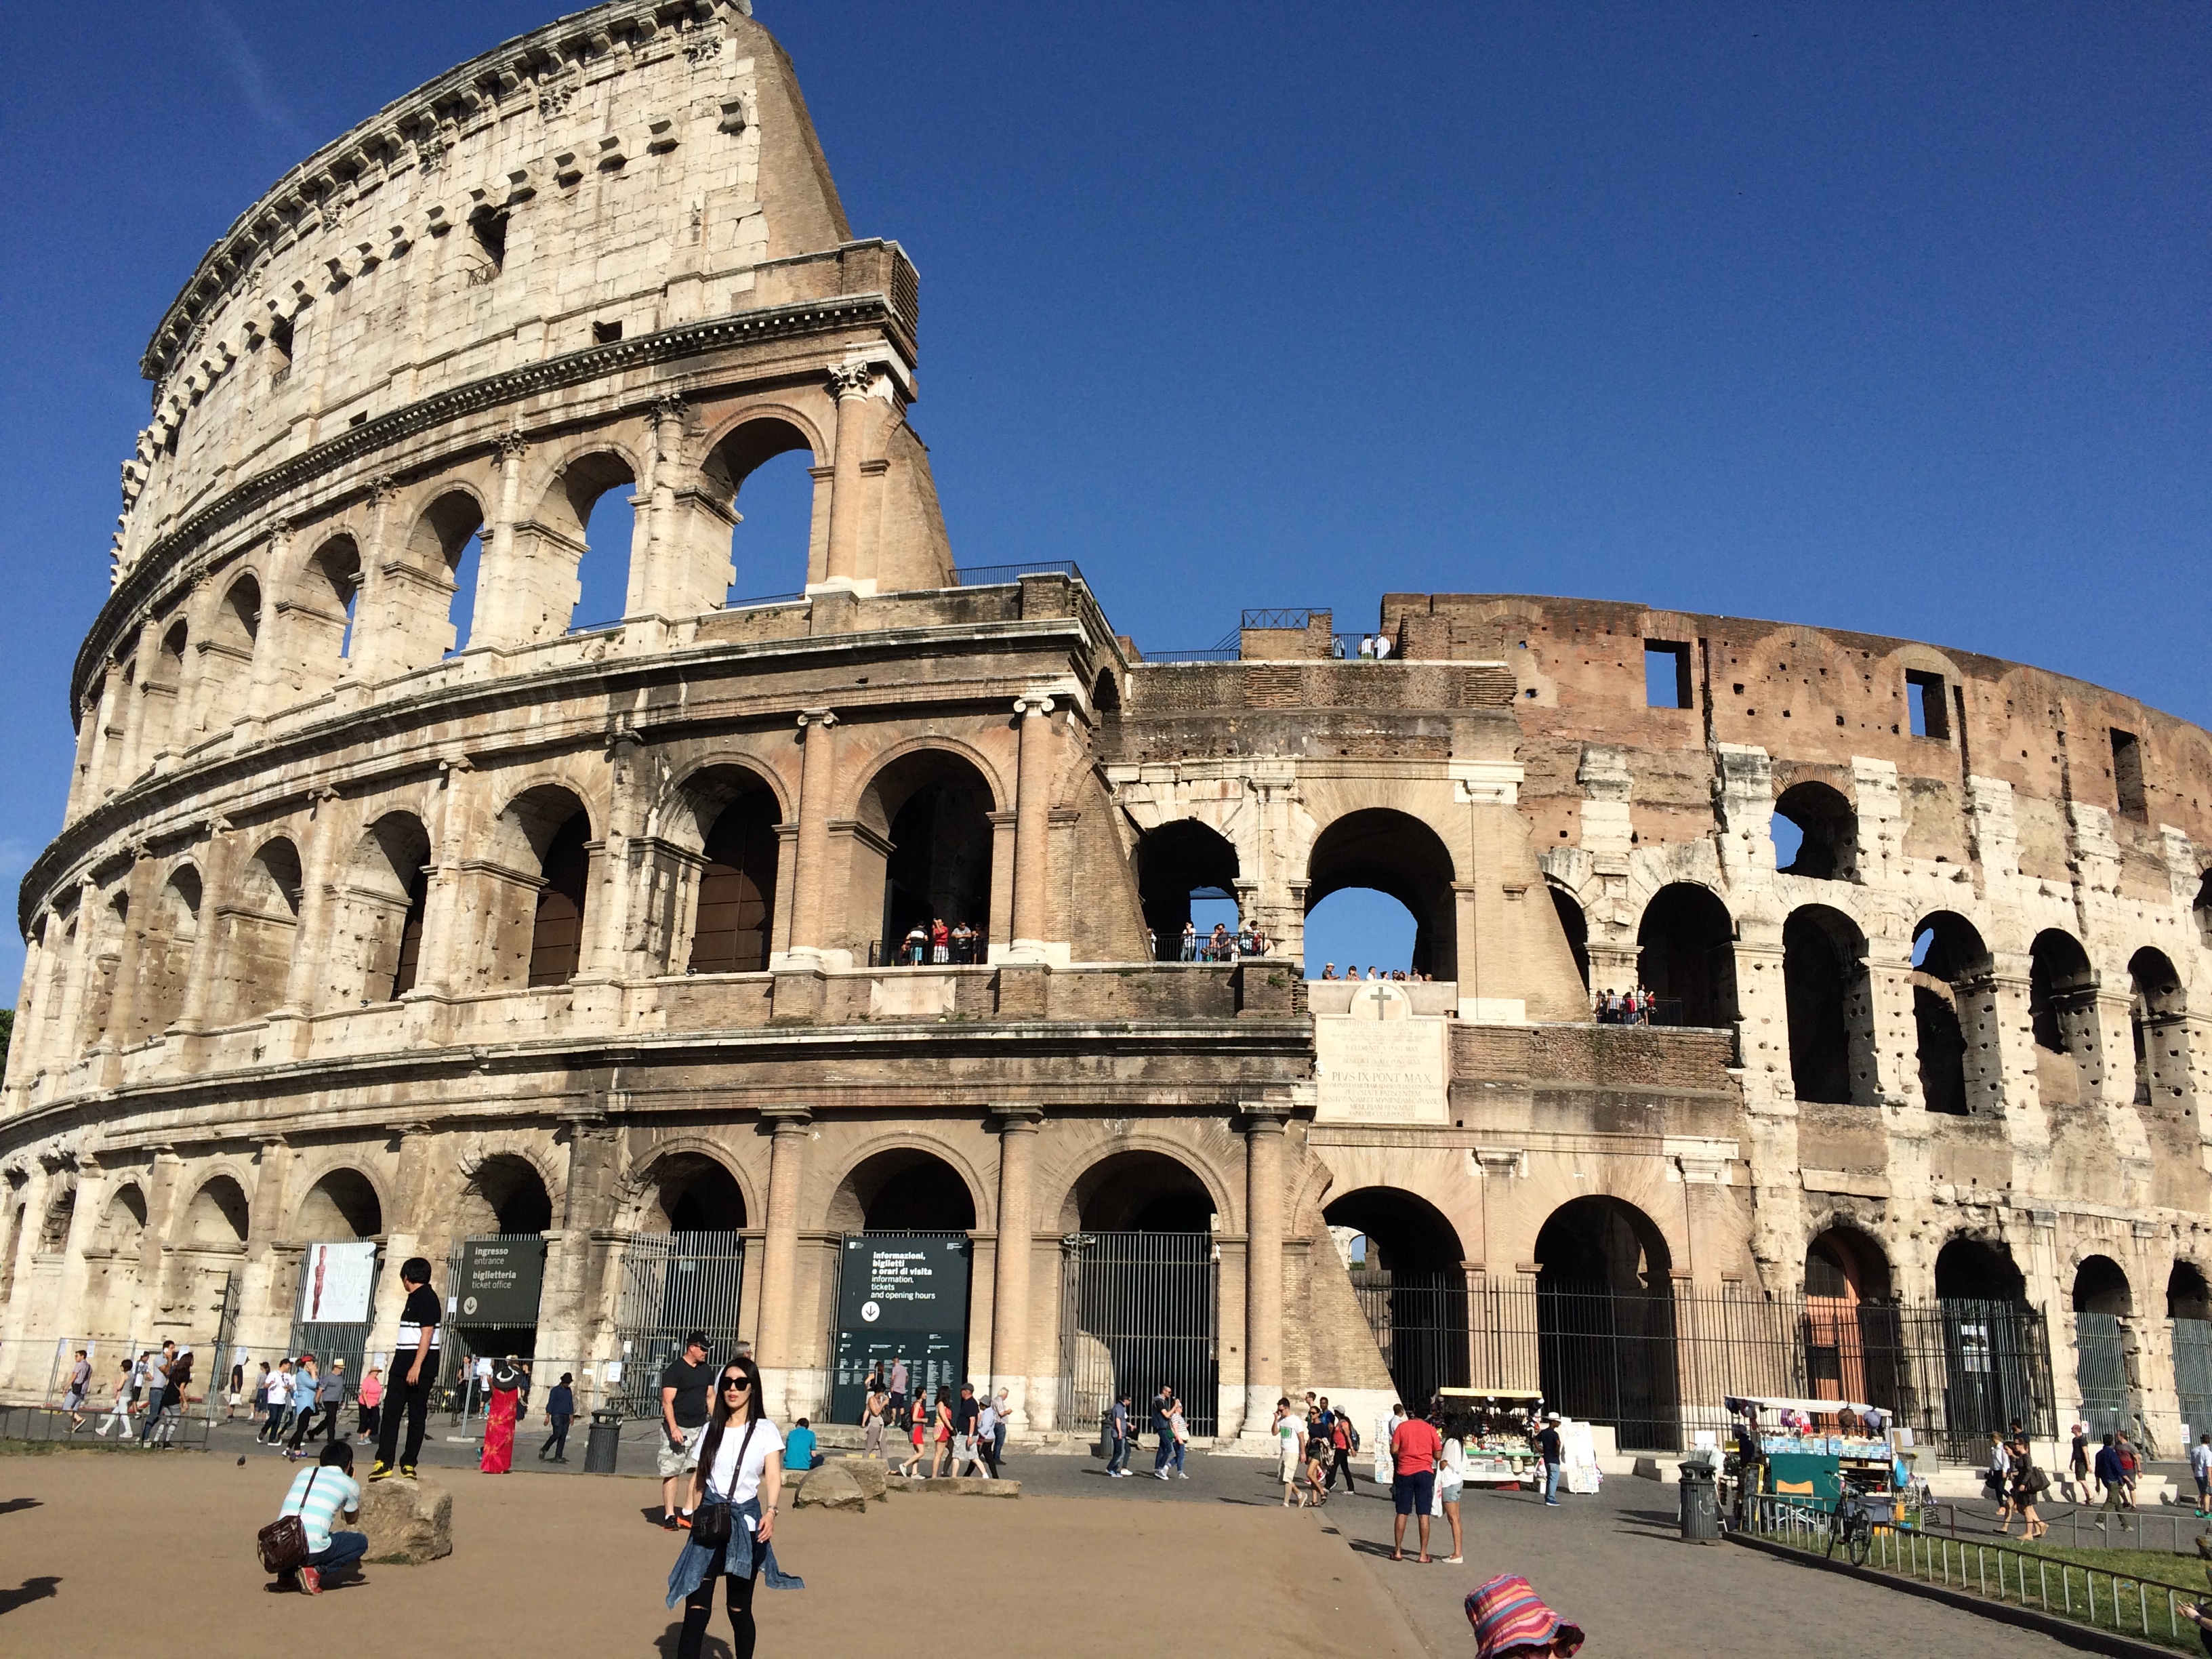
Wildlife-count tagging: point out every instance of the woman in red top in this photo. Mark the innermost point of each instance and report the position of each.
(944, 1434)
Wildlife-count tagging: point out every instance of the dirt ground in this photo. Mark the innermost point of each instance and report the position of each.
(105, 1553)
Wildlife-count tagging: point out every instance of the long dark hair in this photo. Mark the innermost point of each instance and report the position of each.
(756, 1409)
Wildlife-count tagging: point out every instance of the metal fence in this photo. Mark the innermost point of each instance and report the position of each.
(2101, 1374)
(673, 1283)
(986, 575)
(2126, 1603)
(1655, 1367)
(40, 1423)
(2192, 1376)
(1137, 1310)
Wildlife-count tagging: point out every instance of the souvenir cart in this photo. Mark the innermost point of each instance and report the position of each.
(1807, 1448)
(1498, 1434)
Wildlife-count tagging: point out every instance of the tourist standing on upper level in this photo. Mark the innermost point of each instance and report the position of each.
(940, 942)
(1190, 941)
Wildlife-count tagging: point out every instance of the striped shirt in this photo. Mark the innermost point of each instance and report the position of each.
(317, 1496)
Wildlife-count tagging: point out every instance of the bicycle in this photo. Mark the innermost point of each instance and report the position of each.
(1851, 1524)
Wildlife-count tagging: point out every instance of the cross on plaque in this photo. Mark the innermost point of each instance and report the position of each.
(1382, 994)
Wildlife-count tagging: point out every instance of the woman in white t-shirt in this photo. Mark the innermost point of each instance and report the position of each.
(1451, 1480)
(737, 1466)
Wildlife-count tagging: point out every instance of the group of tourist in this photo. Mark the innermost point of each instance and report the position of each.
(1224, 943)
(948, 1433)
(159, 1379)
(290, 1398)
(2014, 1480)
(1626, 1007)
(958, 945)
(1373, 647)
(1329, 972)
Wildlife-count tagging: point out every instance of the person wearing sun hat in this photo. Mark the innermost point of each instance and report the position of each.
(1508, 1618)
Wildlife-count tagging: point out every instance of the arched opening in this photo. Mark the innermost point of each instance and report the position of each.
(1816, 833)
(123, 1227)
(1824, 975)
(166, 968)
(1685, 957)
(734, 910)
(227, 655)
(2158, 1014)
(1355, 931)
(377, 944)
(2062, 1002)
(1409, 1273)
(506, 1195)
(1996, 1351)
(693, 1194)
(594, 496)
(343, 1205)
(158, 693)
(54, 1231)
(2102, 1305)
(1396, 854)
(537, 927)
(324, 621)
(762, 476)
(260, 928)
(1605, 1320)
(1183, 869)
(217, 1214)
(556, 938)
(111, 921)
(1574, 926)
(903, 1190)
(430, 615)
(1106, 692)
(1955, 1015)
(932, 809)
(1852, 1338)
(1139, 1290)
(2189, 1305)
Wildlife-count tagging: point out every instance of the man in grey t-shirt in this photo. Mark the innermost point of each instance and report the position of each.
(157, 1389)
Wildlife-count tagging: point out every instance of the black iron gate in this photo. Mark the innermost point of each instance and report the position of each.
(1420, 1324)
(2100, 1371)
(1998, 1372)
(1137, 1310)
(673, 1283)
(1609, 1356)
(2192, 1376)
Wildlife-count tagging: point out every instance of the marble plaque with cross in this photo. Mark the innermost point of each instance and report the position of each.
(1381, 1062)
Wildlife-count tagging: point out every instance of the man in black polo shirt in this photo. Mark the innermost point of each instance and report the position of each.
(414, 1373)
(685, 1385)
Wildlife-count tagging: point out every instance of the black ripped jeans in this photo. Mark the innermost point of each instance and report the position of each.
(699, 1607)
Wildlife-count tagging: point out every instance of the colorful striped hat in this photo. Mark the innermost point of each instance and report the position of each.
(1507, 1617)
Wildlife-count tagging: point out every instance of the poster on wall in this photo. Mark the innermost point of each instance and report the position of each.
(900, 1295)
(336, 1282)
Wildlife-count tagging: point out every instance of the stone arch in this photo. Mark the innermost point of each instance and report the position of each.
(1605, 1319)
(344, 1202)
(111, 923)
(376, 942)
(1177, 861)
(1829, 827)
(926, 849)
(1852, 1336)
(2101, 1285)
(218, 1214)
(541, 890)
(122, 1222)
(260, 929)
(2104, 1303)
(505, 1192)
(2203, 910)
(226, 652)
(159, 688)
(729, 814)
(1574, 927)
(689, 1185)
(2158, 1015)
(421, 594)
(1143, 1188)
(909, 1185)
(1106, 692)
(1973, 1269)
(2062, 1002)
(1396, 854)
(320, 624)
(164, 966)
(1825, 979)
(1686, 956)
(2188, 1295)
(1410, 1281)
(737, 450)
(54, 1226)
(560, 537)
(1955, 1015)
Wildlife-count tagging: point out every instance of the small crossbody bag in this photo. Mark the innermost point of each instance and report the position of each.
(710, 1527)
(283, 1542)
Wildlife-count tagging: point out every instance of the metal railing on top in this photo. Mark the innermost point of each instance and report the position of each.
(2124, 1602)
(1290, 616)
(987, 575)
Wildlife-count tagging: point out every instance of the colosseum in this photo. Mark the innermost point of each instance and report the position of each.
(575, 959)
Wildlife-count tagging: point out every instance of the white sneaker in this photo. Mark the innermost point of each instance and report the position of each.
(1159, 1474)
(1182, 1476)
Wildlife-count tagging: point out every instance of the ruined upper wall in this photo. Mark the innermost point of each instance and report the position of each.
(1816, 700)
(622, 169)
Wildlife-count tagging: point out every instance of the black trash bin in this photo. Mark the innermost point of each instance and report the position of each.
(603, 1445)
(1701, 1504)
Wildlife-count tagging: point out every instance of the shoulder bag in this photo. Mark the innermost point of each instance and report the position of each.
(283, 1542)
(710, 1526)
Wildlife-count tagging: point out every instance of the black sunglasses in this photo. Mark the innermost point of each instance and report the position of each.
(736, 1383)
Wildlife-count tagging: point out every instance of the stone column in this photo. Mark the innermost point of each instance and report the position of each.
(74, 967)
(16, 1312)
(817, 778)
(566, 1315)
(318, 867)
(791, 1126)
(495, 619)
(1011, 1358)
(71, 1318)
(154, 1244)
(262, 1323)
(269, 642)
(123, 1007)
(1263, 1264)
(852, 383)
(1032, 811)
(207, 953)
(402, 1236)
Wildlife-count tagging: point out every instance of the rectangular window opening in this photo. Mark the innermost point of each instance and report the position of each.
(280, 340)
(1929, 708)
(2128, 776)
(489, 230)
(1667, 675)
(606, 333)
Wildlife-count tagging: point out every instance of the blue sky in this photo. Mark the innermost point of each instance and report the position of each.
(1889, 318)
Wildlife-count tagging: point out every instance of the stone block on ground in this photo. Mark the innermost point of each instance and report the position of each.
(957, 1486)
(408, 1521)
(832, 1486)
(1647, 1469)
(872, 1473)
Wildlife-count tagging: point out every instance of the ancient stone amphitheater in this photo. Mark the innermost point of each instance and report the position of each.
(571, 959)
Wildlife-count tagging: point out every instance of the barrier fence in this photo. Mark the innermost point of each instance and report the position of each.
(1655, 1366)
(2127, 1604)
(1139, 1309)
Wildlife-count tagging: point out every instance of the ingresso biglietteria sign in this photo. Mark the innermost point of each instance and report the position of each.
(498, 1282)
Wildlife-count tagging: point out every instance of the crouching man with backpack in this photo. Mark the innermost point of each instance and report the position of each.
(299, 1547)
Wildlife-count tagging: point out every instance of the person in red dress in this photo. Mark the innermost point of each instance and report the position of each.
(499, 1425)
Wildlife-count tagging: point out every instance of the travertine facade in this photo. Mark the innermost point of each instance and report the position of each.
(349, 934)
